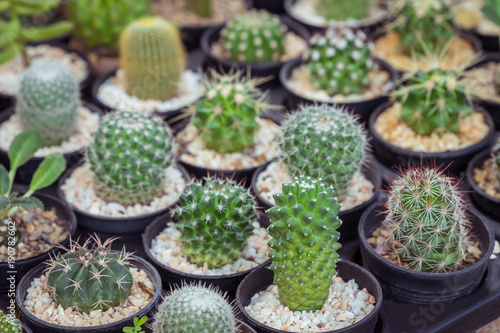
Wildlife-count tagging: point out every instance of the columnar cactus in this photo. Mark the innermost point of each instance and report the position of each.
(90, 277)
(201, 8)
(215, 220)
(129, 156)
(341, 10)
(427, 221)
(194, 309)
(254, 36)
(322, 141)
(9, 324)
(48, 101)
(304, 227)
(152, 58)
(339, 61)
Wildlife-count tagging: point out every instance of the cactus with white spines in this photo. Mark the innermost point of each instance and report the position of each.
(341, 10)
(9, 324)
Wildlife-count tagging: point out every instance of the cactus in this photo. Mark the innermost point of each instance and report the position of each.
(202, 8)
(90, 276)
(129, 156)
(322, 141)
(99, 23)
(194, 309)
(152, 58)
(48, 102)
(254, 36)
(9, 324)
(341, 10)
(215, 220)
(427, 221)
(305, 242)
(339, 61)
(8, 228)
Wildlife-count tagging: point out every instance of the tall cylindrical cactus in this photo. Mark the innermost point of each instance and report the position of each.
(341, 10)
(201, 8)
(152, 58)
(304, 227)
(9, 324)
(48, 101)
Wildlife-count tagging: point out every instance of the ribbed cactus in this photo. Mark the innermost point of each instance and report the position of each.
(8, 228)
(99, 23)
(194, 309)
(129, 156)
(254, 36)
(304, 242)
(48, 101)
(322, 141)
(90, 276)
(339, 61)
(9, 324)
(215, 220)
(427, 221)
(341, 10)
(152, 58)
(201, 8)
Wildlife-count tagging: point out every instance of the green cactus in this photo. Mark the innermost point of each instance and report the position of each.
(215, 220)
(341, 10)
(8, 228)
(152, 58)
(339, 61)
(322, 141)
(129, 156)
(254, 36)
(48, 102)
(90, 276)
(99, 23)
(202, 8)
(9, 324)
(304, 242)
(427, 221)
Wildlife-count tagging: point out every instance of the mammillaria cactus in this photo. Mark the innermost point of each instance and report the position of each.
(129, 156)
(9, 324)
(90, 276)
(202, 8)
(215, 220)
(341, 10)
(152, 58)
(254, 36)
(305, 242)
(48, 101)
(339, 61)
(322, 141)
(427, 221)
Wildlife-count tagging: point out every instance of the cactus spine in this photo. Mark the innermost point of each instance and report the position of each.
(202, 8)
(341, 10)
(9, 324)
(152, 58)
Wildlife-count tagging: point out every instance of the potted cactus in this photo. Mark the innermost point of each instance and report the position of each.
(10, 324)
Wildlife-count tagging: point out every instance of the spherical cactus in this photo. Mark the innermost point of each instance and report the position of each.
(48, 101)
(427, 221)
(194, 309)
(254, 36)
(339, 61)
(322, 141)
(341, 10)
(90, 276)
(129, 156)
(9, 324)
(10, 235)
(215, 220)
(152, 58)
(305, 243)
(202, 8)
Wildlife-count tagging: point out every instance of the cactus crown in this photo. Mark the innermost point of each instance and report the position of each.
(90, 276)
(195, 308)
(9, 324)
(322, 141)
(129, 156)
(254, 36)
(339, 61)
(215, 220)
(427, 221)
(342, 10)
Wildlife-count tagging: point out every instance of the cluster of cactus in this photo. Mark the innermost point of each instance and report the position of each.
(202, 8)
(226, 115)
(322, 141)
(304, 242)
(254, 36)
(339, 61)
(48, 101)
(9, 324)
(341, 10)
(152, 58)
(427, 221)
(215, 220)
(90, 277)
(128, 157)
(194, 308)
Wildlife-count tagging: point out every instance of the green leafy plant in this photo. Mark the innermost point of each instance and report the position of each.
(137, 325)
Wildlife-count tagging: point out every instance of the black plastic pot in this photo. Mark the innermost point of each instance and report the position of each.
(363, 108)
(113, 225)
(26, 171)
(22, 266)
(41, 326)
(489, 42)
(244, 327)
(455, 161)
(273, 6)
(411, 286)
(257, 69)
(263, 277)
(26, 329)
